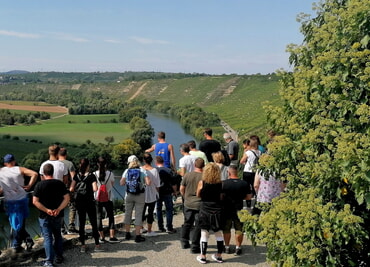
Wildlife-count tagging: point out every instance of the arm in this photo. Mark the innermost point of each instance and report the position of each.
(32, 174)
(65, 179)
(122, 181)
(151, 149)
(172, 156)
(62, 205)
(95, 186)
(257, 182)
(181, 171)
(147, 180)
(72, 187)
(199, 188)
(244, 159)
(36, 202)
(182, 190)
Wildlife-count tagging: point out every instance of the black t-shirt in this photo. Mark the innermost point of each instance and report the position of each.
(167, 181)
(235, 190)
(51, 194)
(209, 147)
(211, 193)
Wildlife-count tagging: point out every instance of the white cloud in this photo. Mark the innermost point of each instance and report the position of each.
(112, 41)
(19, 34)
(142, 40)
(69, 37)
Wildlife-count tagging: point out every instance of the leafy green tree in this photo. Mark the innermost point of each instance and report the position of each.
(122, 151)
(324, 146)
(127, 114)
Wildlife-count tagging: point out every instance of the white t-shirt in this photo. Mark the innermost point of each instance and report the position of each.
(109, 182)
(250, 160)
(187, 162)
(12, 184)
(59, 169)
(151, 193)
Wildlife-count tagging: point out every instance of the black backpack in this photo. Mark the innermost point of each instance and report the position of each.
(227, 159)
(133, 182)
(256, 159)
(81, 188)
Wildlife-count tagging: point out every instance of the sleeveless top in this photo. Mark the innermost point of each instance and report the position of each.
(161, 149)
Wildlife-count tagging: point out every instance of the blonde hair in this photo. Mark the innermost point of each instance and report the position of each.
(211, 174)
(135, 163)
(218, 157)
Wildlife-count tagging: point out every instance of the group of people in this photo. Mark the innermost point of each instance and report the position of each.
(212, 194)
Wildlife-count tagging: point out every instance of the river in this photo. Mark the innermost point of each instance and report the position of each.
(175, 135)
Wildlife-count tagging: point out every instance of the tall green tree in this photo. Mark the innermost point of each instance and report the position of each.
(324, 146)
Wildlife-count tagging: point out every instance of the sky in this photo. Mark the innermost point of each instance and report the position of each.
(189, 36)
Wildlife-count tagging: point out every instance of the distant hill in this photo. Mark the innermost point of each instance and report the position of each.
(12, 72)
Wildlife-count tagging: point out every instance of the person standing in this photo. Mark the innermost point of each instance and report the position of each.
(232, 149)
(51, 197)
(209, 145)
(16, 199)
(166, 189)
(186, 163)
(106, 178)
(165, 150)
(60, 172)
(188, 191)
(210, 214)
(235, 191)
(84, 185)
(195, 152)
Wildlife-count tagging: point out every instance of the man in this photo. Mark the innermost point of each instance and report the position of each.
(165, 150)
(195, 152)
(62, 156)
(51, 197)
(232, 149)
(60, 172)
(166, 190)
(16, 200)
(209, 145)
(188, 190)
(235, 191)
(186, 163)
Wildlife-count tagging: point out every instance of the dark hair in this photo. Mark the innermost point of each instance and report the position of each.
(208, 131)
(147, 158)
(246, 142)
(62, 152)
(102, 164)
(84, 164)
(192, 144)
(48, 169)
(161, 135)
(256, 138)
(185, 148)
(159, 159)
(199, 163)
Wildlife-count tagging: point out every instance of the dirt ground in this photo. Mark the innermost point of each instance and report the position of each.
(56, 109)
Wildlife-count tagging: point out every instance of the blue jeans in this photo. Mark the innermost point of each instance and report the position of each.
(51, 231)
(167, 199)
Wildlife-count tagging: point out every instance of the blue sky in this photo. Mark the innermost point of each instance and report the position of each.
(205, 36)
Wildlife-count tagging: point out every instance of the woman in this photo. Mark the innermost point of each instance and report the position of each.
(134, 199)
(249, 159)
(105, 177)
(219, 159)
(84, 185)
(151, 192)
(210, 214)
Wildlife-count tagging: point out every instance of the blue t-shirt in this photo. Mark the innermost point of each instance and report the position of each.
(161, 149)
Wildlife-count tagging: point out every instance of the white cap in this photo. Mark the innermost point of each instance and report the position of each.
(131, 159)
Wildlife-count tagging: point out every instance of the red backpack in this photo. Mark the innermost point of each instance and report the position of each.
(103, 195)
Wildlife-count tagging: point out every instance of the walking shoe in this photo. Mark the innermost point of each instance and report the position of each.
(195, 250)
(113, 240)
(201, 260)
(128, 236)
(102, 240)
(218, 259)
(98, 248)
(238, 251)
(227, 250)
(59, 259)
(185, 245)
(139, 239)
(163, 230)
(29, 243)
(46, 263)
(173, 231)
(152, 233)
(83, 249)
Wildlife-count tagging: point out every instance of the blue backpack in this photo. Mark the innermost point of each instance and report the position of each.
(133, 182)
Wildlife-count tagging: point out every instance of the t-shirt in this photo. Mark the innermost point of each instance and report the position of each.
(199, 154)
(190, 181)
(235, 191)
(59, 169)
(250, 160)
(51, 194)
(187, 162)
(209, 147)
(161, 149)
(151, 193)
(166, 181)
(232, 148)
(109, 181)
(11, 181)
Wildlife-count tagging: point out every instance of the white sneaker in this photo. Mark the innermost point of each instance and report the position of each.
(151, 233)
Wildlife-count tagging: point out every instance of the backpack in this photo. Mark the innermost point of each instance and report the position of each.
(102, 195)
(81, 188)
(227, 159)
(133, 182)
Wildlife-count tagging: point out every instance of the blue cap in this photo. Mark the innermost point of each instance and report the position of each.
(8, 158)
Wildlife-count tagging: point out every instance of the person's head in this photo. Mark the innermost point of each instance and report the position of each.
(184, 148)
(211, 173)
(257, 138)
(199, 163)
(208, 132)
(192, 144)
(48, 170)
(54, 150)
(147, 158)
(233, 171)
(227, 137)
(246, 143)
(133, 162)
(254, 142)
(218, 157)
(9, 159)
(102, 166)
(62, 152)
(161, 135)
(84, 165)
(159, 160)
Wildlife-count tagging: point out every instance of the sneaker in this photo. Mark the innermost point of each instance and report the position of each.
(46, 263)
(98, 249)
(128, 236)
(83, 249)
(163, 230)
(151, 233)
(238, 251)
(59, 259)
(102, 240)
(29, 243)
(139, 239)
(113, 240)
(144, 231)
(185, 245)
(227, 250)
(172, 231)
(201, 260)
(217, 259)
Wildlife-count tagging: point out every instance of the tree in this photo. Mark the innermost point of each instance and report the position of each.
(122, 151)
(109, 139)
(324, 146)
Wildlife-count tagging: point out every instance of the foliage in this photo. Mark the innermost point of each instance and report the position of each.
(123, 150)
(126, 115)
(142, 132)
(323, 150)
